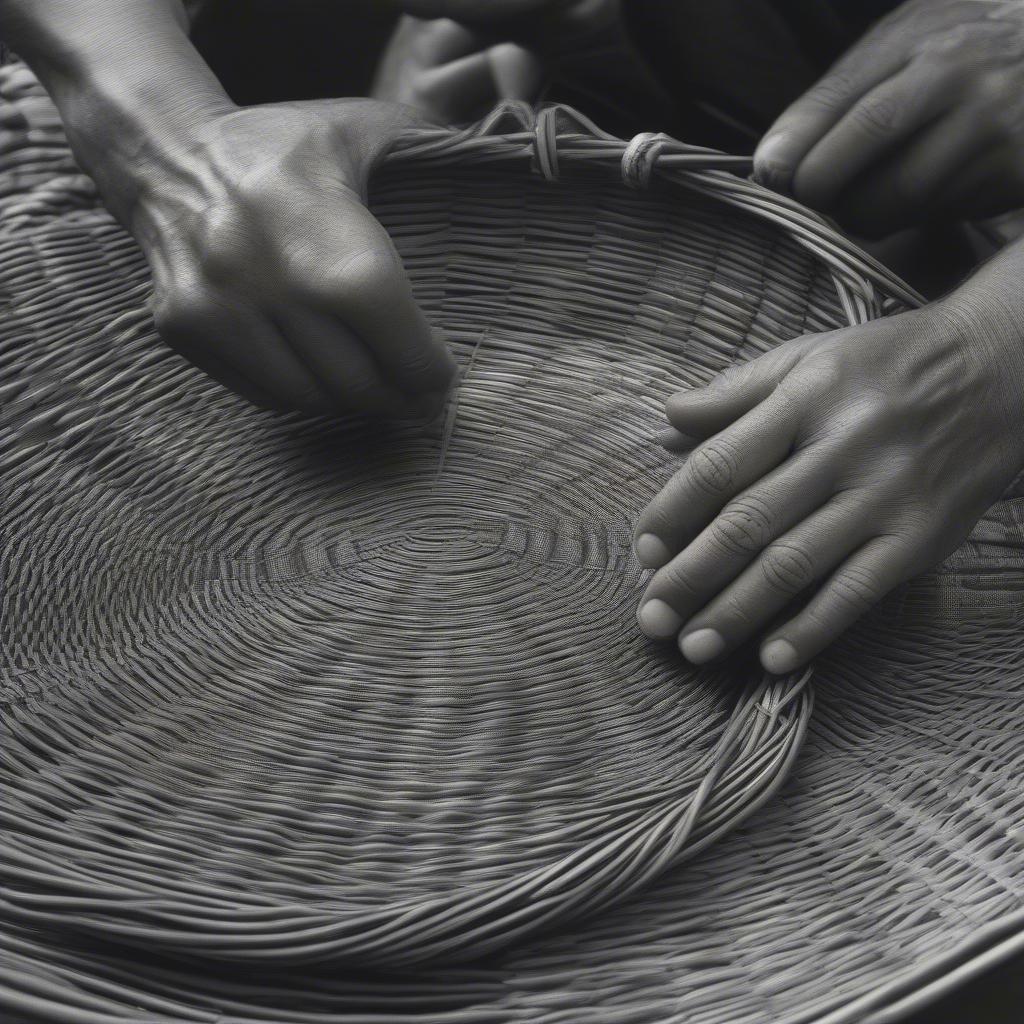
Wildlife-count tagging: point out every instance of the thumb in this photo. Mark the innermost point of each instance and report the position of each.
(702, 412)
(364, 131)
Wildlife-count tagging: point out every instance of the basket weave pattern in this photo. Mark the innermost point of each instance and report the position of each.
(288, 691)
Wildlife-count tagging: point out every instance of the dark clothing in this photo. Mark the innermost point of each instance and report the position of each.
(733, 66)
(726, 68)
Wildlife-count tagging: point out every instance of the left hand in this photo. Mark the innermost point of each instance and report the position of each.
(922, 118)
(830, 470)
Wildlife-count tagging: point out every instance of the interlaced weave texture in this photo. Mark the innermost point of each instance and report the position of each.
(287, 700)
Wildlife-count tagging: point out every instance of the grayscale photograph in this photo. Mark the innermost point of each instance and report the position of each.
(511, 512)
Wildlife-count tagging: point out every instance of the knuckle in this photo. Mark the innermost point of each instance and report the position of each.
(257, 188)
(740, 614)
(370, 273)
(869, 411)
(428, 36)
(218, 262)
(417, 91)
(832, 91)
(302, 271)
(675, 579)
(731, 376)
(820, 373)
(877, 115)
(659, 517)
(787, 568)
(744, 526)
(221, 251)
(712, 468)
(856, 589)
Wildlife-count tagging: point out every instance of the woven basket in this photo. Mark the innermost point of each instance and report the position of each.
(300, 716)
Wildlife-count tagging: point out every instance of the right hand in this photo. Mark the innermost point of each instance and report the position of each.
(269, 272)
(453, 73)
(555, 30)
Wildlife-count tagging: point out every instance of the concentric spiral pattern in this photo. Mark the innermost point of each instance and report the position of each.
(280, 691)
(337, 691)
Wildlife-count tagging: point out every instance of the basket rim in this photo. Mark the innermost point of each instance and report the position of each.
(551, 136)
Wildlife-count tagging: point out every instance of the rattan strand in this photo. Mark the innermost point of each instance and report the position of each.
(256, 700)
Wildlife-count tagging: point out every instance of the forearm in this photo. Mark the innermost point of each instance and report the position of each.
(130, 86)
(987, 309)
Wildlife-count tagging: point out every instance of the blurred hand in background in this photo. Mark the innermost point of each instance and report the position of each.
(922, 119)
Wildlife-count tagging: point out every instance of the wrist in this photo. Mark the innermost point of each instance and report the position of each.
(985, 316)
(131, 89)
(131, 134)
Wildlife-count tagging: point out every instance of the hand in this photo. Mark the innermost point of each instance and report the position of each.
(269, 272)
(451, 73)
(557, 31)
(830, 470)
(923, 118)
(514, 19)
(581, 47)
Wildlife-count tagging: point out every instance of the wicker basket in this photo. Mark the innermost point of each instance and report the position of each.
(300, 716)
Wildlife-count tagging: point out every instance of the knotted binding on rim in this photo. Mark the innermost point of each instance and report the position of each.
(556, 137)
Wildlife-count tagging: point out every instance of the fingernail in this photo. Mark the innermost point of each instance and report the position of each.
(773, 176)
(768, 169)
(702, 645)
(779, 657)
(651, 552)
(658, 620)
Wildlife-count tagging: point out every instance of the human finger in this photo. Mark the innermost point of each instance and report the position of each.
(738, 536)
(703, 411)
(949, 168)
(717, 470)
(353, 273)
(345, 369)
(517, 73)
(785, 568)
(806, 121)
(239, 348)
(877, 125)
(458, 90)
(855, 587)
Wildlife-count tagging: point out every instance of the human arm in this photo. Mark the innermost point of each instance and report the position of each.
(268, 271)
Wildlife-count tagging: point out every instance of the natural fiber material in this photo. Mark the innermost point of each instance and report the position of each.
(290, 691)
